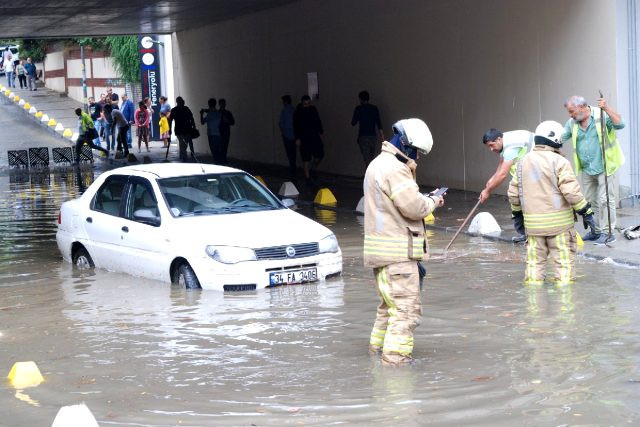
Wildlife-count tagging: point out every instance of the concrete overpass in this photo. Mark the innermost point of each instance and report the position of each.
(461, 65)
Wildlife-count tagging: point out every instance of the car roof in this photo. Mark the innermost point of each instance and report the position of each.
(169, 170)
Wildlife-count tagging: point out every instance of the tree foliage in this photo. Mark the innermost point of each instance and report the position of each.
(124, 51)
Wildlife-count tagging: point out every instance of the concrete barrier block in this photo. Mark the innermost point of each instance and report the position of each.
(67, 133)
(52, 122)
(259, 178)
(59, 128)
(24, 375)
(484, 223)
(360, 206)
(26, 106)
(33, 110)
(75, 416)
(21, 102)
(288, 189)
(325, 197)
(44, 118)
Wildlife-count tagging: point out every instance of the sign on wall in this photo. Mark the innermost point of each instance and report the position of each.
(151, 70)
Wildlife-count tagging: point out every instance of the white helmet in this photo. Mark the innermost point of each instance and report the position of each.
(414, 133)
(549, 132)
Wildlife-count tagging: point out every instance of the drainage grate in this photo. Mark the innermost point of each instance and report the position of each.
(86, 155)
(18, 158)
(39, 156)
(62, 155)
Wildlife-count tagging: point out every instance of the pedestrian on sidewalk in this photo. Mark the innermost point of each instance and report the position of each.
(544, 194)
(370, 131)
(308, 131)
(113, 96)
(394, 238)
(128, 111)
(22, 74)
(164, 129)
(109, 137)
(30, 68)
(285, 123)
(183, 126)
(226, 121)
(121, 125)
(166, 108)
(86, 134)
(142, 118)
(95, 112)
(9, 70)
(212, 119)
(584, 128)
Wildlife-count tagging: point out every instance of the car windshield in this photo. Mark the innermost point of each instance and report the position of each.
(216, 194)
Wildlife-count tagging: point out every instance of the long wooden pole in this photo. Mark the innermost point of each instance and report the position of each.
(462, 226)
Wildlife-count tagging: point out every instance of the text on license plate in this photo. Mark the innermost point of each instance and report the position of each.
(293, 276)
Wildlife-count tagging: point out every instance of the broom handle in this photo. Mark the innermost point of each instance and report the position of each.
(462, 226)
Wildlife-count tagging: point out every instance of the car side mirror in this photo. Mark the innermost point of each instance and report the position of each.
(146, 216)
(288, 203)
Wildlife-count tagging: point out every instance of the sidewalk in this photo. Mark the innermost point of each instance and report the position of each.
(347, 190)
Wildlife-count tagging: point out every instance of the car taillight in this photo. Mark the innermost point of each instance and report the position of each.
(59, 217)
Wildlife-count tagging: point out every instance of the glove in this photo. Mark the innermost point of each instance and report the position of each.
(587, 217)
(589, 222)
(518, 221)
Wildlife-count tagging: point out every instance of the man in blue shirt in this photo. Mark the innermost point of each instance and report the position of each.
(368, 116)
(288, 136)
(212, 119)
(127, 111)
(30, 68)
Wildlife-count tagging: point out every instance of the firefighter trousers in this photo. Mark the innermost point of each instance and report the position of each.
(399, 311)
(561, 249)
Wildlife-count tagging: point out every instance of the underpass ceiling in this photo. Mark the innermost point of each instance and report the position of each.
(67, 18)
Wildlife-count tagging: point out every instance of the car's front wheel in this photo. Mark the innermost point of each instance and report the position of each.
(184, 276)
(81, 259)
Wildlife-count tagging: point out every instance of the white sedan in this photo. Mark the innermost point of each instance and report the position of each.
(197, 225)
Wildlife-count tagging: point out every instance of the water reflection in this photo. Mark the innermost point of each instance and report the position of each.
(138, 352)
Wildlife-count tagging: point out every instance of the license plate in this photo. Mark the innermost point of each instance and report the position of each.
(293, 276)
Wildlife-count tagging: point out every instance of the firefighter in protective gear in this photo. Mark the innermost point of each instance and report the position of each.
(544, 195)
(394, 237)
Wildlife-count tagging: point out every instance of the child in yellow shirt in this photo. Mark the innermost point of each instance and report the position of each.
(164, 129)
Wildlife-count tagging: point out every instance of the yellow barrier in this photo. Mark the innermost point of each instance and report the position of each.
(25, 374)
(325, 197)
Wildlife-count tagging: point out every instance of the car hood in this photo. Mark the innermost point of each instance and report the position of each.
(251, 229)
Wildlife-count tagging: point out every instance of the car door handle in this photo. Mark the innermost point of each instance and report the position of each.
(89, 219)
(125, 229)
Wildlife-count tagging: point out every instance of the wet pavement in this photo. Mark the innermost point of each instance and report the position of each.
(489, 351)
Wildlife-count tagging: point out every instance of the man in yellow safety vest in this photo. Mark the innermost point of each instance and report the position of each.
(584, 128)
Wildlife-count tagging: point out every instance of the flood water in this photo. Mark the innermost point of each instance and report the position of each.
(489, 351)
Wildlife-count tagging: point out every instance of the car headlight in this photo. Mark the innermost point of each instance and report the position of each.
(328, 244)
(230, 254)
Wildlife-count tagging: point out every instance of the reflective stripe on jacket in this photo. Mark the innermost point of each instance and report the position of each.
(612, 151)
(546, 190)
(393, 210)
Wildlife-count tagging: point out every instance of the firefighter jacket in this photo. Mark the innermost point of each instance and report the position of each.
(546, 191)
(394, 210)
